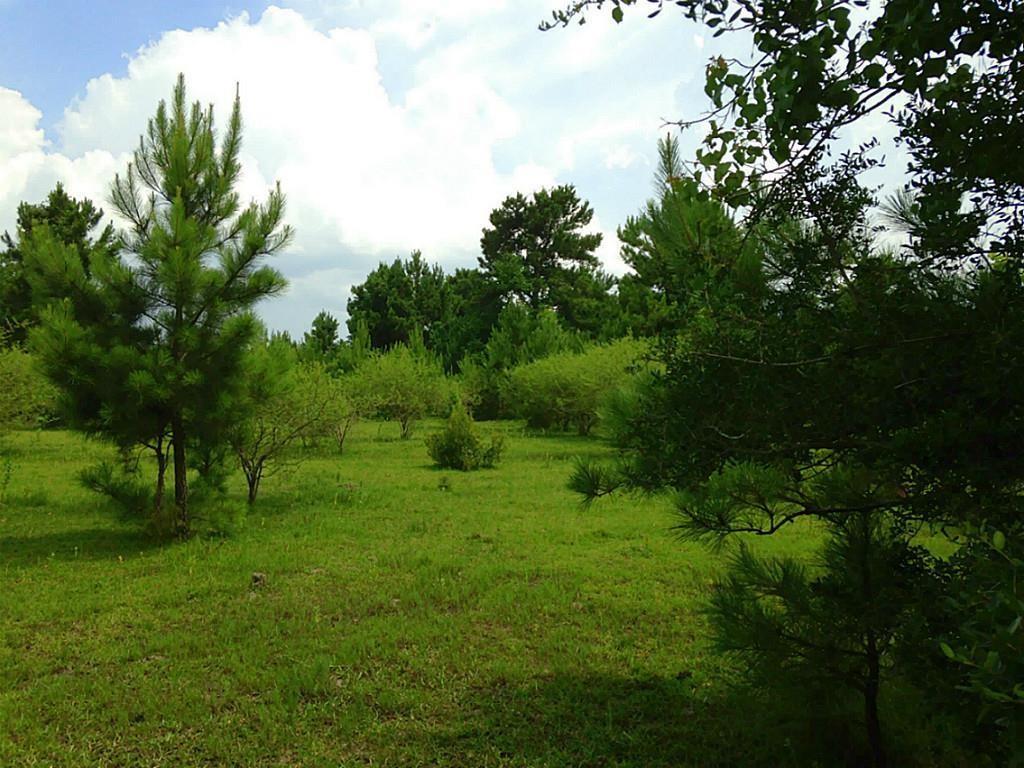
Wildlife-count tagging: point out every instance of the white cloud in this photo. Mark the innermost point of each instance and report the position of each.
(366, 176)
(487, 106)
(28, 170)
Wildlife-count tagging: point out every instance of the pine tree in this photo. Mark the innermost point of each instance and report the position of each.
(322, 338)
(147, 346)
(72, 222)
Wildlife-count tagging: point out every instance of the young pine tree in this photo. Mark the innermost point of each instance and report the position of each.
(147, 345)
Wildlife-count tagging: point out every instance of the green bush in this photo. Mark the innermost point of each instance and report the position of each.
(520, 337)
(402, 386)
(27, 399)
(460, 446)
(568, 390)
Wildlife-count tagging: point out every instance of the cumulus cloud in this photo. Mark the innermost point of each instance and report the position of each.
(365, 175)
(29, 170)
(370, 173)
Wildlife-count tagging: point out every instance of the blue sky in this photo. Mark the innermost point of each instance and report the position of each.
(52, 48)
(391, 124)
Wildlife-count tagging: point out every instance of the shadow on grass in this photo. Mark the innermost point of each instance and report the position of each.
(84, 544)
(598, 720)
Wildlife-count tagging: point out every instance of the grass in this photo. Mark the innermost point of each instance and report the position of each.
(405, 616)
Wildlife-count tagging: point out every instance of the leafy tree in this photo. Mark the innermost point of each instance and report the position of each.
(288, 401)
(397, 299)
(569, 390)
(72, 222)
(404, 387)
(148, 345)
(537, 252)
(322, 338)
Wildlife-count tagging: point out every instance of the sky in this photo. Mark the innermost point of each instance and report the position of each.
(391, 125)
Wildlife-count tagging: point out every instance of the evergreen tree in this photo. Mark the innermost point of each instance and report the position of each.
(147, 345)
(471, 306)
(813, 376)
(72, 222)
(322, 338)
(396, 299)
(536, 251)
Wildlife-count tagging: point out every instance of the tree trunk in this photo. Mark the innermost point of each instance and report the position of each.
(871, 706)
(161, 475)
(180, 475)
(253, 479)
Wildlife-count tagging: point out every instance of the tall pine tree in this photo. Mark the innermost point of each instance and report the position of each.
(147, 344)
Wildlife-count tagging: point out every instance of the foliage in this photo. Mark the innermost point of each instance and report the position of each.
(569, 389)
(397, 300)
(27, 398)
(147, 345)
(472, 305)
(287, 402)
(537, 251)
(951, 69)
(402, 387)
(519, 337)
(342, 399)
(72, 222)
(321, 341)
(459, 446)
(123, 485)
(988, 645)
(809, 374)
(660, 244)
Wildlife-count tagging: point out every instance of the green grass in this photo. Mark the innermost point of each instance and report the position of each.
(492, 623)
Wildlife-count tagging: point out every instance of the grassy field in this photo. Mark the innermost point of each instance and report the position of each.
(409, 616)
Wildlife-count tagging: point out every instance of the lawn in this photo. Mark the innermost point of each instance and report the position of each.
(405, 616)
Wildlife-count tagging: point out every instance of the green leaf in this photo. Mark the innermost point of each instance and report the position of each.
(617, 14)
(999, 541)
(947, 651)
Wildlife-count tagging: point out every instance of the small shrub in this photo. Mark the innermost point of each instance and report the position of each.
(459, 445)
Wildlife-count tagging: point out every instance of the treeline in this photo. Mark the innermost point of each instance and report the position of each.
(539, 289)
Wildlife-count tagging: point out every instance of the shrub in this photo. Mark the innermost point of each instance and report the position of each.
(401, 386)
(460, 446)
(286, 402)
(520, 336)
(27, 399)
(568, 390)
